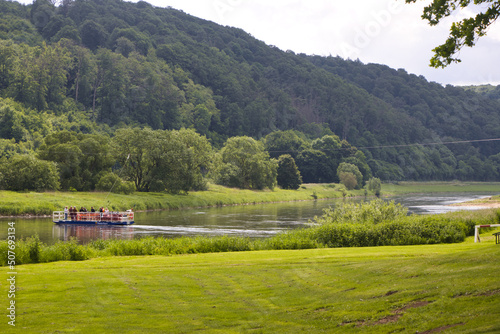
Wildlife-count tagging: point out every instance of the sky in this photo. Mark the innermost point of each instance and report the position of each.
(387, 32)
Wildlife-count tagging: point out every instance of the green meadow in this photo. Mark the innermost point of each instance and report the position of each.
(400, 289)
(290, 283)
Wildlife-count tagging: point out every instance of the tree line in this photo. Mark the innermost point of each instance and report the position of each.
(177, 161)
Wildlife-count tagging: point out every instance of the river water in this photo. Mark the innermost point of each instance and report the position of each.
(261, 220)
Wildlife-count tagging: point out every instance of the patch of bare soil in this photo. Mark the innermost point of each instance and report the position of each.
(442, 328)
(396, 314)
(489, 293)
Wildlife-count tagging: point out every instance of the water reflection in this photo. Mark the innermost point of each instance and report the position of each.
(87, 233)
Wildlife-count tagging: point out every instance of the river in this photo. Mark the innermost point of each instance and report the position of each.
(261, 220)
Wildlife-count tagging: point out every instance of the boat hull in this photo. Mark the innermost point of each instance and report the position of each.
(93, 218)
(77, 222)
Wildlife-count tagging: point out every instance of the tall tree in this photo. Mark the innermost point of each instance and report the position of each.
(245, 164)
(288, 173)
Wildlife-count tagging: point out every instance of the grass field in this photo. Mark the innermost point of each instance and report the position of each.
(32, 203)
(410, 289)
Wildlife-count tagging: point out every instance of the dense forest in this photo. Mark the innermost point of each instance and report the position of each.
(97, 93)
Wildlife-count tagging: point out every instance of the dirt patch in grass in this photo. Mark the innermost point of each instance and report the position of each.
(396, 314)
(400, 312)
(489, 293)
(421, 303)
(442, 328)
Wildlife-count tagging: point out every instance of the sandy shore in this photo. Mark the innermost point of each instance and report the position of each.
(487, 203)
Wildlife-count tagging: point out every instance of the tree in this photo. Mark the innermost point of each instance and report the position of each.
(374, 185)
(284, 142)
(314, 166)
(288, 173)
(345, 167)
(245, 164)
(163, 160)
(348, 180)
(25, 172)
(80, 158)
(465, 32)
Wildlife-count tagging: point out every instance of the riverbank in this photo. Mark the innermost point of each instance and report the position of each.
(408, 187)
(43, 204)
(32, 204)
(427, 288)
(485, 203)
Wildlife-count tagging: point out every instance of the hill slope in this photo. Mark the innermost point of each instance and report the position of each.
(116, 63)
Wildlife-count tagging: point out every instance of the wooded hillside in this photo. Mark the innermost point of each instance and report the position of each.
(92, 67)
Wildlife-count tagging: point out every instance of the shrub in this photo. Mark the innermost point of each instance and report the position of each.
(25, 172)
(112, 182)
(369, 212)
(348, 180)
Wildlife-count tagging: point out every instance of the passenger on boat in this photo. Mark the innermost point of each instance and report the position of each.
(66, 213)
(92, 209)
(72, 212)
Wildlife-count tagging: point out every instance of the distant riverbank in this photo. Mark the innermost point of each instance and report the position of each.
(43, 204)
(487, 203)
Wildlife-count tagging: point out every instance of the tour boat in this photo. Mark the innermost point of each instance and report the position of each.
(93, 218)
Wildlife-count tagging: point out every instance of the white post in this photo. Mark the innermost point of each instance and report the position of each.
(476, 231)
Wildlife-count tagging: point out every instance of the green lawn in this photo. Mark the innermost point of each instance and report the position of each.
(347, 290)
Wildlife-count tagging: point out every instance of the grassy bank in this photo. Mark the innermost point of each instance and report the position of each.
(413, 289)
(433, 187)
(32, 203)
(16, 203)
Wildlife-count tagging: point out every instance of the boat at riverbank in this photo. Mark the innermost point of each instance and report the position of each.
(93, 218)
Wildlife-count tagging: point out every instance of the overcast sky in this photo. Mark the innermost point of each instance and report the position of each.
(386, 32)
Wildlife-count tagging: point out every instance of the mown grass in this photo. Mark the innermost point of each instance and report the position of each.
(32, 203)
(402, 289)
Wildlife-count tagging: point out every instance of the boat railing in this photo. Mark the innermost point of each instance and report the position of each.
(118, 217)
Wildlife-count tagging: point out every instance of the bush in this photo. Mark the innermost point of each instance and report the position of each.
(25, 172)
(348, 180)
(374, 185)
(369, 212)
(414, 230)
(112, 182)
